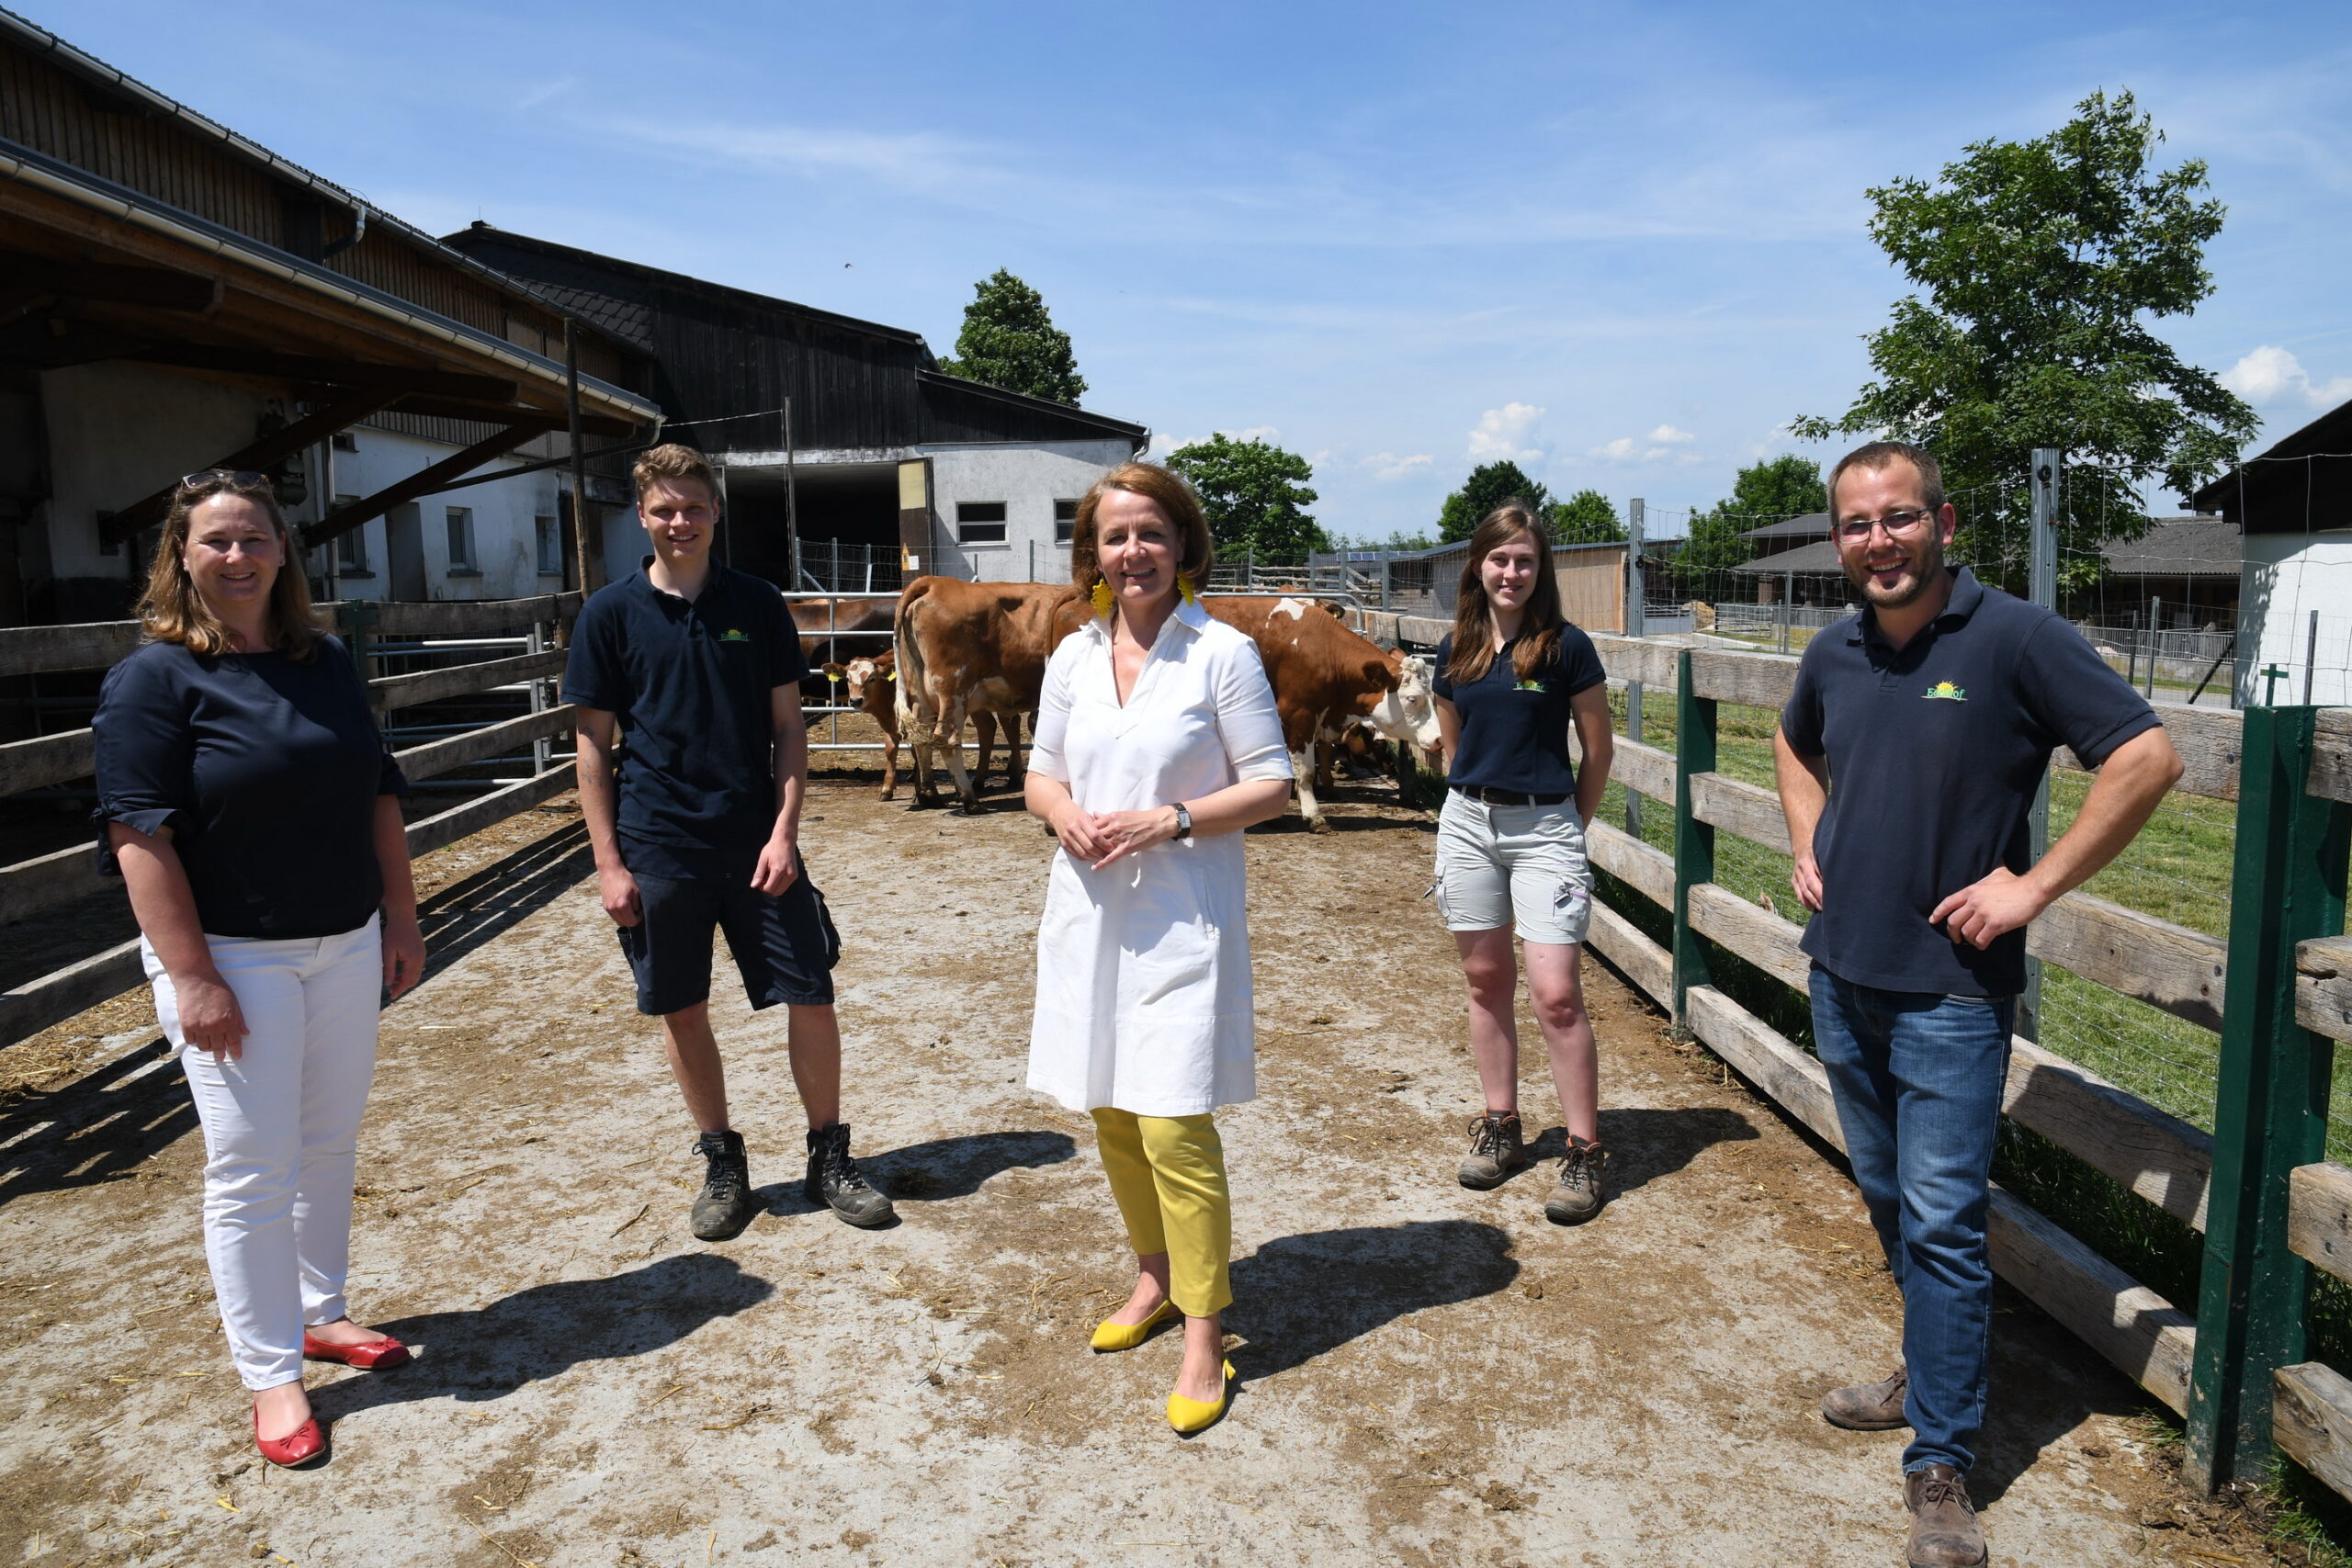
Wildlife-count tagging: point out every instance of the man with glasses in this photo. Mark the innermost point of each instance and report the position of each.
(1909, 759)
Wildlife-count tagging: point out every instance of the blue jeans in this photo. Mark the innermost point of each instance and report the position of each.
(1917, 1076)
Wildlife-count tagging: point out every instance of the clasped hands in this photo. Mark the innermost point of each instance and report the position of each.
(1975, 916)
(1100, 837)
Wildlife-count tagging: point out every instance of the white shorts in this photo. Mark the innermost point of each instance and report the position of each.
(1513, 865)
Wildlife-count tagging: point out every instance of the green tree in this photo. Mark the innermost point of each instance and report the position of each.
(1771, 491)
(1587, 517)
(1256, 496)
(1010, 341)
(1488, 486)
(2043, 263)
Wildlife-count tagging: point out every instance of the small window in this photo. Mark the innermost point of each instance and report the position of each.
(344, 441)
(550, 538)
(1065, 522)
(979, 523)
(462, 539)
(351, 546)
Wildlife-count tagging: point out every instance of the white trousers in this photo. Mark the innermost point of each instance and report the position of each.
(281, 1133)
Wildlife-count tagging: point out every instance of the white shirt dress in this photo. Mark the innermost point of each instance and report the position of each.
(1143, 967)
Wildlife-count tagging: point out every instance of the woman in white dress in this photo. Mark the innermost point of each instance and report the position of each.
(1156, 744)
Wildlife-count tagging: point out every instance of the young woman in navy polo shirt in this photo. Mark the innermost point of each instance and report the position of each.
(245, 794)
(1511, 679)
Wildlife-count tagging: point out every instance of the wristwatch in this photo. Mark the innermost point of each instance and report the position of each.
(1184, 821)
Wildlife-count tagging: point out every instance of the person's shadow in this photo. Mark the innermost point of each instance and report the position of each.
(535, 1334)
(1646, 1143)
(1299, 1296)
(939, 1170)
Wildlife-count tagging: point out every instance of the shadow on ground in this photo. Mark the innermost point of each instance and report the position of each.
(1644, 1144)
(934, 1172)
(547, 1330)
(1300, 1296)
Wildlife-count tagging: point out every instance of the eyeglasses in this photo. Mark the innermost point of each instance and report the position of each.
(236, 478)
(1854, 530)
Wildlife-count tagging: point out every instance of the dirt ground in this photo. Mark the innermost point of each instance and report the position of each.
(1428, 1375)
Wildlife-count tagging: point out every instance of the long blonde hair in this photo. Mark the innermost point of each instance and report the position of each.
(1474, 617)
(170, 610)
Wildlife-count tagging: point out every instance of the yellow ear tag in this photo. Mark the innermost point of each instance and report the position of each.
(1101, 596)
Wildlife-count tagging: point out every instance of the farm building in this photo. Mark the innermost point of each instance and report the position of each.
(2293, 505)
(175, 298)
(882, 460)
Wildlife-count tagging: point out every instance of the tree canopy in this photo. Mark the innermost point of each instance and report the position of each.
(1256, 496)
(1771, 492)
(1010, 341)
(1488, 486)
(1587, 517)
(2041, 264)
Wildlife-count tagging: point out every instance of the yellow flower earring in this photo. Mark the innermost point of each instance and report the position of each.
(1185, 587)
(1101, 596)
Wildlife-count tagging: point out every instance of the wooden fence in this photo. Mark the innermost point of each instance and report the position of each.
(47, 881)
(2279, 991)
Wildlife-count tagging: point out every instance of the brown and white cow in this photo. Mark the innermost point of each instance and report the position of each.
(871, 679)
(970, 649)
(822, 623)
(1326, 677)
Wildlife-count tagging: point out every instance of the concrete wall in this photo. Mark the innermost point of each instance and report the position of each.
(2286, 578)
(505, 536)
(1028, 479)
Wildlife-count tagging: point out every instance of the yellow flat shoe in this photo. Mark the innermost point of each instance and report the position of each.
(1127, 1336)
(1190, 1415)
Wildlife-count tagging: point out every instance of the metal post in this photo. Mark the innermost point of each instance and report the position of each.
(1033, 561)
(581, 543)
(1635, 626)
(2042, 578)
(832, 565)
(791, 503)
(2270, 1099)
(1788, 592)
(1694, 842)
(2311, 657)
(542, 750)
(1387, 559)
(2155, 644)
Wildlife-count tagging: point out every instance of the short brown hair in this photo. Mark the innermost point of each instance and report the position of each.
(673, 460)
(1877, 455)
(170, 610)
(1195, 551)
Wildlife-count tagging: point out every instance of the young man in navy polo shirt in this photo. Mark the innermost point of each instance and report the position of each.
(1909, 759)
(700, 668)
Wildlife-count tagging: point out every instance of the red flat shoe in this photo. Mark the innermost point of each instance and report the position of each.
(375, 1356)
(300, 1446)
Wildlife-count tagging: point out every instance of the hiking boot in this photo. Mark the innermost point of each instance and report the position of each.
(1944, 1529)
(1581, 1190)
(724, 1206)
(1871, 1406)
(833, 1181)
(1497, 1149)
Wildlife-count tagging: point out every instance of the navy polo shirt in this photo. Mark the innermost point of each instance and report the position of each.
(693, 683)
(266, 768)
(1515, 732)
(1935, 751)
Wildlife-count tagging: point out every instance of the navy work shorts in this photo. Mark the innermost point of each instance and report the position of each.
(784, 945)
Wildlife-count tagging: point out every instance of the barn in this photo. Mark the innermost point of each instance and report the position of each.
(2293, 505)
(839, 440)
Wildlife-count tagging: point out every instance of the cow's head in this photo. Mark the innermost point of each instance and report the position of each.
(860, 676)
(1409, 713)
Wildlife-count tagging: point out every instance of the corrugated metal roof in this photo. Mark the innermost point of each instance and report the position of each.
(1811, 526)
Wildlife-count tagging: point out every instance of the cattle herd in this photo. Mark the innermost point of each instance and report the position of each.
(977, 650)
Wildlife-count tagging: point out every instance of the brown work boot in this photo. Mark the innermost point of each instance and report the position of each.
(1497, 1149)
(1871, 1406)
(1581, 1190)
(1944, 1530)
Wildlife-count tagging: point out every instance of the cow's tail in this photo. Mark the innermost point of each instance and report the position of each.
(910, 667)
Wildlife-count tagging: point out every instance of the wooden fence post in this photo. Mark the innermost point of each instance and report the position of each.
(1694, 842)
(2270, 1100)
(352, 619)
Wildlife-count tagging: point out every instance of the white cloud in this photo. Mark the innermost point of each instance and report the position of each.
(1506, 435)
(1388, 466)
(1666, 435)
(1255, 432)
(1654, 449)
(2272, 375)
(1617, 451)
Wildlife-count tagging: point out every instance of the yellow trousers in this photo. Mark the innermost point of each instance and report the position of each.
(1168, 1174)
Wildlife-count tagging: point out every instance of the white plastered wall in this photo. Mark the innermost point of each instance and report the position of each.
(2289, 578)
(1028, 479)
(505, 535)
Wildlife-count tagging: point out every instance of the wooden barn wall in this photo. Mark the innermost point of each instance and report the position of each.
(848, 389)
(53, 112)
(950, 413)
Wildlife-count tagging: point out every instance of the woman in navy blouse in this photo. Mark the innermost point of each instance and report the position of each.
(1512, 679)
(246, 796)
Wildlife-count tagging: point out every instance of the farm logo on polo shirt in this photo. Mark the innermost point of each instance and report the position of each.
(1528, 686)
(1946, 691)
(731, 634)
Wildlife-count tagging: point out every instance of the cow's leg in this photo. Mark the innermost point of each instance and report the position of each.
(985, 725)
(1323, 766)
(950, 738)
(889, 758)
(1302, 767)
(1012, 768)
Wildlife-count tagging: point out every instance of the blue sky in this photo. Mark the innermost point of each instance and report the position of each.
(1622, 245)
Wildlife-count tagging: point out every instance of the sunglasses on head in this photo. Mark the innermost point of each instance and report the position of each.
(237, 479)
